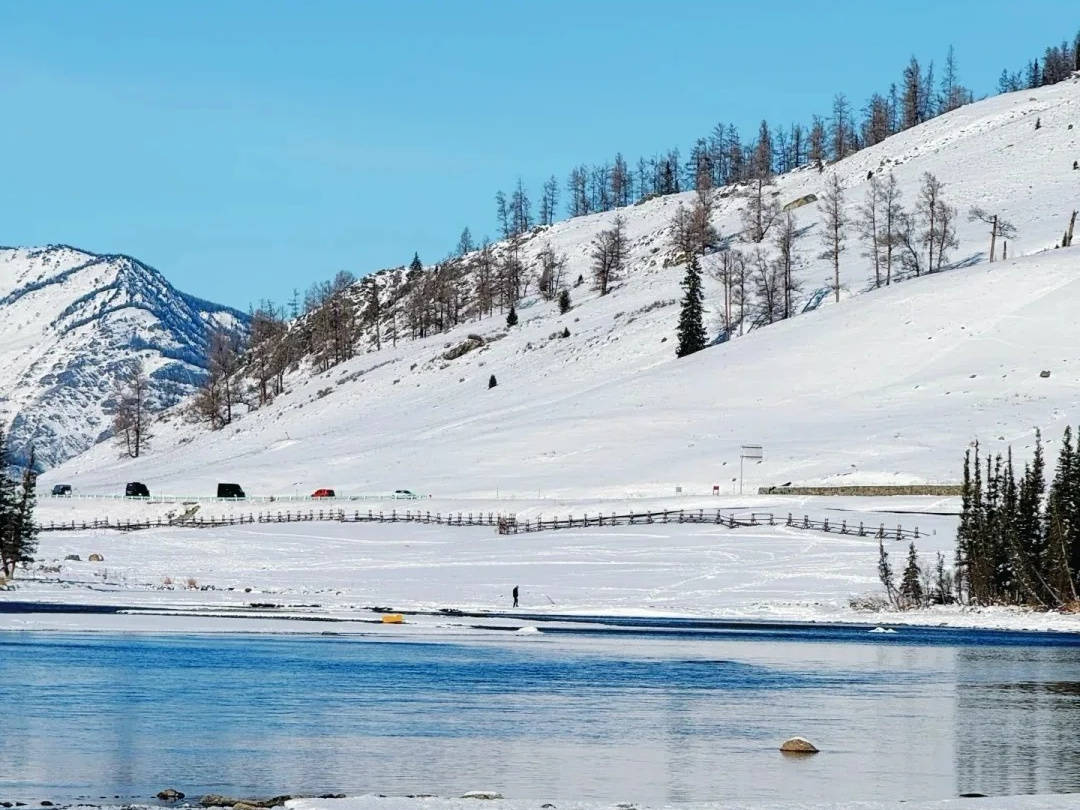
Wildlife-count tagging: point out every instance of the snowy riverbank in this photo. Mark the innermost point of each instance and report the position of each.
(285, 576)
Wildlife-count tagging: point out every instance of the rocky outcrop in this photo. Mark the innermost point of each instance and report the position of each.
(798, 745)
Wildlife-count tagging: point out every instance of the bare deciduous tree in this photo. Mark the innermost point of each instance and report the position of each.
(999, 228)
(131, 417)
(835, 220)
(609, 255)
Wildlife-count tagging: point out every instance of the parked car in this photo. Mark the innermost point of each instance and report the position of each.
(136, 489)
(61, 490)
(323, 493)
(404, 493)
(230, 491)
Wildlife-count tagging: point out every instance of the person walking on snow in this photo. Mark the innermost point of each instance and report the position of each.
(515, 596)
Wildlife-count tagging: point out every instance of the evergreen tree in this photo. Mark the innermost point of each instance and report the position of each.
(18, 532)
(1063, 522)
(910, 585)
(416, 266)
(492, 382)
(511, 317)
(8, 505)
(691, 329)
(564, 301)
(885, 573)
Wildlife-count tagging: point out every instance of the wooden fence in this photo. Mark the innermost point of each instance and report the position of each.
(508, 524)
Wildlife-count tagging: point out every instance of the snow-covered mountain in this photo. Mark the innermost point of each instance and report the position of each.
(887, 385)
(70, 321)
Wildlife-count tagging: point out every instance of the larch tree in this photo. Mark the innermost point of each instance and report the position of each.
(840, 128)
(609, 254)
(835, 221)
(999, 228)
(890, 213)
(913, 104)
(760, 212)
(465, 242)
(869, 226)
(131, 414)
(552, 266)
(787, 260)
(549, 200)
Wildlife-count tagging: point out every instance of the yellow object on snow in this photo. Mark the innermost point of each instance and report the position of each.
(393, 618)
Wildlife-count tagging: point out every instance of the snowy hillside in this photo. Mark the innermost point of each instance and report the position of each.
(886, 386)
(69, 321)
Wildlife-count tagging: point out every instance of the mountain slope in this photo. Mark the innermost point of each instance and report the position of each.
(886, 386)
(70, 321)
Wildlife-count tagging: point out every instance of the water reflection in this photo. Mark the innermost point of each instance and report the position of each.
(610, 719)
(1016, 721)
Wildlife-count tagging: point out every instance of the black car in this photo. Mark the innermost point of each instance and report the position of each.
(136, 489)
(61, 490)
(230, 491)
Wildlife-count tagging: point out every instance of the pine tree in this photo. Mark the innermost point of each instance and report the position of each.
(492, 382)
(885, 573)
(564, 301)
(910, 585)
(18, 532)
(691, 329)
(416, 266)
(511, 317)
(8, 505)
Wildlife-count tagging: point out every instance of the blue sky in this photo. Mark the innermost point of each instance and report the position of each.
(247, 148)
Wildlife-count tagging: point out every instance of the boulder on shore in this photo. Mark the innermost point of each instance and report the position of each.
(481, 794)
(170, 795)
(96, 558)
(798, 745)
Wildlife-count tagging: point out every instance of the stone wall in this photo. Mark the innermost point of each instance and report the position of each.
(905, 489)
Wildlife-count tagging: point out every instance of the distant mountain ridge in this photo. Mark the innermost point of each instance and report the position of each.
(70, 321)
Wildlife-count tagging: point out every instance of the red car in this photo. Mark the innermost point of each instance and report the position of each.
(323, 493)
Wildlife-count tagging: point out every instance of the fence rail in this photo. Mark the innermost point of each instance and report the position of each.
(510, 525)
(505, 524)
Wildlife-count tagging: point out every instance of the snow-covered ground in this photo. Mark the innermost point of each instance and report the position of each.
(339, 570)
(888, 386)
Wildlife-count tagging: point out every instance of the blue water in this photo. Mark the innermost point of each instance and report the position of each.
(653, 718)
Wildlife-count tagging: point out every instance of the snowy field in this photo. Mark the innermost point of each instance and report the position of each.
(339, 570)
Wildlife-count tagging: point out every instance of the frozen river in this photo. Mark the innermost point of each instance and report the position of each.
(610, 716)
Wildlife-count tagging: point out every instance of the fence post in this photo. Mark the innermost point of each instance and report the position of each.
(826, 524)
(916, 532)
(861, 532)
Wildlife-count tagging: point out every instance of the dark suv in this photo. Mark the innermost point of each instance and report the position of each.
(136, 489)
(61, 490)
(230, 491)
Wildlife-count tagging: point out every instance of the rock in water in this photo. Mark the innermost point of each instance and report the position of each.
(170, 795)
(798, 745)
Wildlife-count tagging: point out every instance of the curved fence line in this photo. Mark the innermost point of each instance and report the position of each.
(504, 524)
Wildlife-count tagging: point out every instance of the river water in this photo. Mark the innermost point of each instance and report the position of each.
(608, 716)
